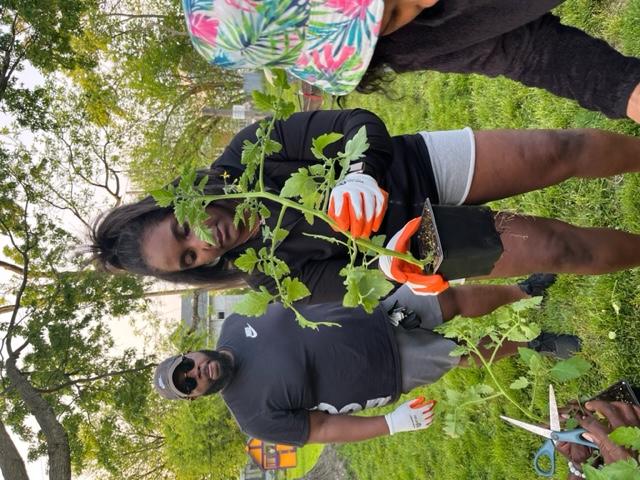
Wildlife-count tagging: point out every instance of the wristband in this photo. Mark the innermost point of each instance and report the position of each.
(574, 470)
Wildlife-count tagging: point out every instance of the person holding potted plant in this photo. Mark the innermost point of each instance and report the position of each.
(449, 168)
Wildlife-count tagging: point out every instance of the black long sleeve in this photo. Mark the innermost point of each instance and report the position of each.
(297, 132)
(540, 52)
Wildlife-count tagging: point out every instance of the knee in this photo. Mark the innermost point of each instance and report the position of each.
(564, 250)
(566, 150)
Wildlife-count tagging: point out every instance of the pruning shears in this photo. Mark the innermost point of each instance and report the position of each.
(553, 434)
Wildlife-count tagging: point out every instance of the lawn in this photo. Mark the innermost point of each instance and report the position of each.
(602, 310)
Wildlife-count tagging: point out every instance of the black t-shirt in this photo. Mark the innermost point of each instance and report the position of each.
(283, 371)
(401, 165)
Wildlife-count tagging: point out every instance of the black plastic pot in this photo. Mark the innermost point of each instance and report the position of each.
(466, 241)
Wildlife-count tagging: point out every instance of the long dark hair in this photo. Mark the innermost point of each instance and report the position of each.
(116, 238)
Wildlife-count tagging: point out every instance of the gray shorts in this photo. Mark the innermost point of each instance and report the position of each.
(424, 354)
(453, 161)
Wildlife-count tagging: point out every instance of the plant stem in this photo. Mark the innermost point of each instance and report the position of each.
(361, 242)
(482, 400)
(487, 366)
(533, 391)
(263, 153)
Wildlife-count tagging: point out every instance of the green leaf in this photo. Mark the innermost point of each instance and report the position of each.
(280, 79)
(204, 233)
(280, 234)
(202, 183)
(569, 369)
(571, 423)
(180, 211)
(484, 389)
(365, 287)
(532, 359)
(271, 146)
(262, 101)
(520, 383)
(321, 142)
(459, 351)
(620, 470)
(524, 333)
(273, 266)
(247, 261)
(295, 289)
(299, 184)
(254, 304)
(357, 145)
(318, 170)
(627, 437)
(526, 304)
(163, 197)
(527, 354)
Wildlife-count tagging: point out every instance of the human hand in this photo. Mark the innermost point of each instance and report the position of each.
(400, 271)
(415, 414)
(618, 414)
(357, 204)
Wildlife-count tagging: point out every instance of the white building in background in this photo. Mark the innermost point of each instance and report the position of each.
(206, 311)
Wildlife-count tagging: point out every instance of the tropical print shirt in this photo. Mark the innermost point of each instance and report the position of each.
(327, 43)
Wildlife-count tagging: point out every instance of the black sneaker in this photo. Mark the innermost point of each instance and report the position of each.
(536, 285)
(561, 346)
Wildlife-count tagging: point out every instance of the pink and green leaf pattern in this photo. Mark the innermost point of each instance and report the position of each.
(327, 43)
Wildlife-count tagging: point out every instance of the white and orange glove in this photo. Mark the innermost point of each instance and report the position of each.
(411, 275)
(415, 414)
(357, 204)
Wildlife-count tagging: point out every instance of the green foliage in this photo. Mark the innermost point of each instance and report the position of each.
(202, 440)
(506, 324)
(621, 470)
(569, 369)
(364, 287)
(254, 303)
(627, 437)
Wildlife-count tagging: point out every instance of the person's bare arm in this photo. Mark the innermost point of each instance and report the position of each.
(413, 414)
(325, 428)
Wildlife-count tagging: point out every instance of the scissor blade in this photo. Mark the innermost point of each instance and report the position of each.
(554, 416)
(543, 432)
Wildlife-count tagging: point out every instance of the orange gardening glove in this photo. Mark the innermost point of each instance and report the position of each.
(400, 271)
(357, 204)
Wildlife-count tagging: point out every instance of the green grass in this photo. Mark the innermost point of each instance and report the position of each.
(591, 307)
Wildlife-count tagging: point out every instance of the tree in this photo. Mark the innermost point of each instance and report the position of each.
(54, 342)
(203, 441)
(42, 34)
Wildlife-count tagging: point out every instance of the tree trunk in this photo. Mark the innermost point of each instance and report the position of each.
(11, 463)
(55, 435)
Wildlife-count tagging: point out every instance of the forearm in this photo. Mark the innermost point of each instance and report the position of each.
(325, 428)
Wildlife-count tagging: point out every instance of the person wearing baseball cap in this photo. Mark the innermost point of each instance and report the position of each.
(341, 45)
(288, 384)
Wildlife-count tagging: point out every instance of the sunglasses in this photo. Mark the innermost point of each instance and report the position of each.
(181, 381)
